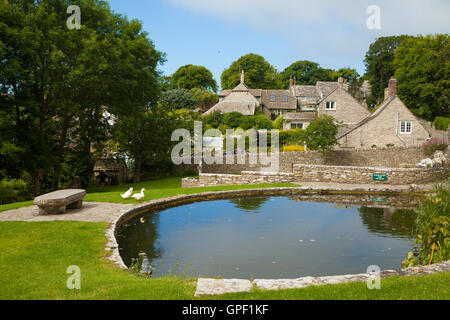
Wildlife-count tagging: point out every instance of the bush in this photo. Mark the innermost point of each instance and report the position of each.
(13, 190)
(431, 146)
(432, 227)
(293, 148)
(441, 123)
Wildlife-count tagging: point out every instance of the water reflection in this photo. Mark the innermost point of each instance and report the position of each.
(250, 205)
(396, 222)
(288, 237)
(141, 235)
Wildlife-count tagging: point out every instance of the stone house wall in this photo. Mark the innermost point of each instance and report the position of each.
(348, 109)
(382, 130)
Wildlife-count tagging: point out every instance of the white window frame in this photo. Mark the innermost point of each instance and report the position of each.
(285, 99)
(273, 98)
(406, 127)
(333, 105)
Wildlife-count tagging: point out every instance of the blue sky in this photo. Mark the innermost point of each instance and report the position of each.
(214, 33)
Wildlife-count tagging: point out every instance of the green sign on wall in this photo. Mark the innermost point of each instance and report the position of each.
(380, 177)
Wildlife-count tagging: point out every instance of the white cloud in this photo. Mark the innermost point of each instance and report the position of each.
(325, 27)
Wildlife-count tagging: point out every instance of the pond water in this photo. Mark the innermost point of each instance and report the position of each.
(276, 237)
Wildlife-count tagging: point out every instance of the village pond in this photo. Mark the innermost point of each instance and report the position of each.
(274, 237)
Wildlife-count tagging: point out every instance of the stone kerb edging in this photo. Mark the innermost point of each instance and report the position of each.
(219, 286)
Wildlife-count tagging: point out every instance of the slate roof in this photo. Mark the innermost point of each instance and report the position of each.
(305, 116)
(291, 104)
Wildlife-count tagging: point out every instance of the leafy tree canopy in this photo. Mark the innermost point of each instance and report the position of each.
(422, 70)
(178, 99)
(307, 73)
(259, 74)
(190, 76)
(321, 134)
(379, 64)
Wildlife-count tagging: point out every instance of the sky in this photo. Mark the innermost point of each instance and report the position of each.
(214, 33)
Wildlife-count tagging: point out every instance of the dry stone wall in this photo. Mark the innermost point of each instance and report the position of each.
(381, 158)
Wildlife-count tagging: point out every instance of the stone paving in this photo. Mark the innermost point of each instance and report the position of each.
(90, 212)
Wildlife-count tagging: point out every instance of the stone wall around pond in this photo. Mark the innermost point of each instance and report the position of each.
(320, 173)
(378, 158)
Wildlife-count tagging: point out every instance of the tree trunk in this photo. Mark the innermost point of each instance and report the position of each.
(60, 152)
(37, 180)
(137, 170)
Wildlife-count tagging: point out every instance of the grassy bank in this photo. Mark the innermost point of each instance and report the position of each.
(35, 256)
(156, 189)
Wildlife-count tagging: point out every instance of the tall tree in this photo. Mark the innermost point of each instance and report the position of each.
(423, 74)
(307, 73)
(379, 65)
(60, 80)
(348, 74)
(259, 74)
(145, 136)
(190, 76)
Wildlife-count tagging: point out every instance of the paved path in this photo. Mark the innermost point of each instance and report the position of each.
(91, 212)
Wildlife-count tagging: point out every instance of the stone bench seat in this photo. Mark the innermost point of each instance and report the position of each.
(57, 202)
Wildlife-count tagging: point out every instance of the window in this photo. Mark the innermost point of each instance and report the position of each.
(331, 105)
(296, 125)
(405, 127)
(273, 98)
(285, 98)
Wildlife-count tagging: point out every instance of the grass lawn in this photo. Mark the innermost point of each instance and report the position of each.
(156, 189)
(35, 256)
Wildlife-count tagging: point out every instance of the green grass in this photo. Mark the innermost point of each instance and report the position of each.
(156, 189)
(35, 256)
(17, 205)
(163, 188)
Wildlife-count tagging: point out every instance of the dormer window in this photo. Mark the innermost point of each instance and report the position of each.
(285, 98)
(331, 105)
(273, 98)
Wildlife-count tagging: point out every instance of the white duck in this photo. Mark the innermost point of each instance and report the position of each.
(127, 194)
(139, 196)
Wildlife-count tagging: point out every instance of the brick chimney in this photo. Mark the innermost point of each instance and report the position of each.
(341, 80)
(291, 82)
(392, 87)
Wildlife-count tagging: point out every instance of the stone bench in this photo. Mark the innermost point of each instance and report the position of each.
(57, 202)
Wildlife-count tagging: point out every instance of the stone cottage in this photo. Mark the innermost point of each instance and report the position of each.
(391, 125)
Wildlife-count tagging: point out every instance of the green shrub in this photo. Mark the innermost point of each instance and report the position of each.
(432, 227)
(13, 190)
(431, 146)
(441, 123)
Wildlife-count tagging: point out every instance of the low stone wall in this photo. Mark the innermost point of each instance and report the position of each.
(247, 177)
(318, 173)
(379, 158)
(364, 175)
